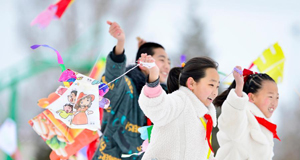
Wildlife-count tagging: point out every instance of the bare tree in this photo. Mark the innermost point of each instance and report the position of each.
(64, 35)
(193, 40)
(288, 131)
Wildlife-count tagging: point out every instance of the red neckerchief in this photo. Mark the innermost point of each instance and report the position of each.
(148, 121)
(209, 127)
(270, 126)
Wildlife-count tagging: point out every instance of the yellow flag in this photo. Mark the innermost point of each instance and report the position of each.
(272, 62)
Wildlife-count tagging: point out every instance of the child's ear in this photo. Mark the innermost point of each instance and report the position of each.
(251, 97)
(190, 83)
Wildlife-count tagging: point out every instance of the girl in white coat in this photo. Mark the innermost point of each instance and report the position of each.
(245, 130)
(183, 119)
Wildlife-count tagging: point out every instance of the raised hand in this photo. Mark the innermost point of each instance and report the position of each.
(239, 80)
(116, 31)
(148, 63)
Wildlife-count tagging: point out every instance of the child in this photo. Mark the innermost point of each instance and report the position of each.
(244, 128)
(82, 105)
(66, 111)
(123, 117)
(72, 97)
(178, 132)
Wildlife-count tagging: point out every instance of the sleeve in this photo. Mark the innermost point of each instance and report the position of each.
(161, 108)
(153, 89)
(233, 119)
(115, 66)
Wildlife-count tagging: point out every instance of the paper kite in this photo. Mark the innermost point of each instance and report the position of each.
(54, 11)
(71, 119)
(8, 137)
(271, 62)
(145, 135)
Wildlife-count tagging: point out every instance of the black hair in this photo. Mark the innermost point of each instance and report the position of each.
(69, 104)
(252, 85)
(148, 48)
(74, 91)
(194, 68)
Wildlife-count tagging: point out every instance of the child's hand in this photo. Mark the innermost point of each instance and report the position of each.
(239, 80)
(116, 31)
(153, 70)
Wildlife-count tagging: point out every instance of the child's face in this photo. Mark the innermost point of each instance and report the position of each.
(67, 109)
(85, 101)
(72, 97)
(266, 98)
(163, 63)
(206, 89)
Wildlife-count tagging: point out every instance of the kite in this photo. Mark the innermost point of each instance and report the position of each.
(71, 117)
(145, 135)
(54, 11)
(271, 62)
(182, 60)
(8, 137)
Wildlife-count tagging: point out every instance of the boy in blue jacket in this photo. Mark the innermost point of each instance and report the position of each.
(121, 139)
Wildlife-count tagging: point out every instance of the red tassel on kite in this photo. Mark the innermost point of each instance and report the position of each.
(62, 6)
(52, 12)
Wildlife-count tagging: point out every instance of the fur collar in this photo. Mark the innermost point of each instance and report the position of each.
(199, 107)
(256, 111)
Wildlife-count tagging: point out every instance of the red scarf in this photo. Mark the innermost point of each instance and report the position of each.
(209, 127)
(270, 126)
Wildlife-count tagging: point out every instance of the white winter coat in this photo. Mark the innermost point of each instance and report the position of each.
(240, 135)
(178, 133)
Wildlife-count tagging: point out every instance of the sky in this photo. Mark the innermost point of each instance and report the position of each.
(236, 31)
(240, 31)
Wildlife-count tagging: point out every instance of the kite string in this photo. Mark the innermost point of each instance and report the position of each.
(119, 76)
(234, 69)
(145, 64)
(226, 77)
(97, 60)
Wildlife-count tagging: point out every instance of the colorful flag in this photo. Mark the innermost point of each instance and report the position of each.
(8, 136)
(98, 68)
(54, 11)
(71, 119)
(271, 62)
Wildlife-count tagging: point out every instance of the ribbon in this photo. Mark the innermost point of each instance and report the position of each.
(59, 59)
(247, 73)
(209, 127)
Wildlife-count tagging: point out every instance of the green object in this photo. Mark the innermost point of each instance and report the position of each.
(13, 104)
(34, 65)
(8, 157)
(149, 130)
(54, 143)
(13, 109)
(63, 67)
(222, 73)
(62, 144)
